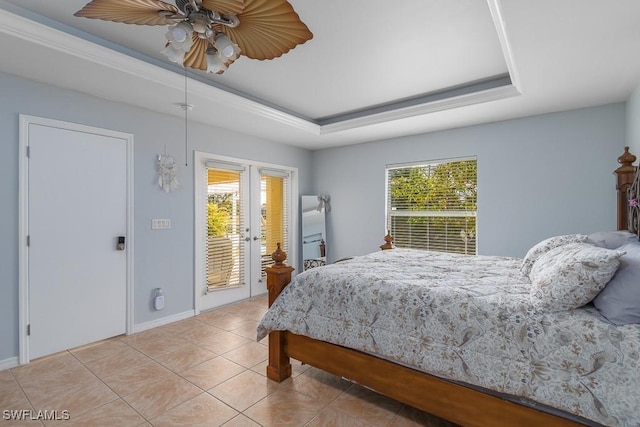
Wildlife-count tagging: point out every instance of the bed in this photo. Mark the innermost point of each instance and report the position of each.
(470, 341)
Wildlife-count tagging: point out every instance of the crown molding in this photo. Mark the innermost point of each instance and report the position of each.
(17, 26)
(493, 94)
(499, 23)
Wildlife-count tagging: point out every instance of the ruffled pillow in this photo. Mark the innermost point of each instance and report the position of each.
(571, 275)
(545, 246)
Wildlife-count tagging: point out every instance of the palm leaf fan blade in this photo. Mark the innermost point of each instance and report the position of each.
(139, 12)
(268, 29)
(224, 6)
(269, 46)
(197, 55)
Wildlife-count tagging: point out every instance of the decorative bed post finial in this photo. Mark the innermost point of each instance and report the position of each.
(388, 242)
(278, 256)
(626, 160)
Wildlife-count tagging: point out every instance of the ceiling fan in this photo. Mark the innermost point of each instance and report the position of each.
(210, 35)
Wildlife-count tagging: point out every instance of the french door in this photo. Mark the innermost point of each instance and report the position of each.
(243, 211)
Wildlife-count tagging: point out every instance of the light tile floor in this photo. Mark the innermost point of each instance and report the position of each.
(203, 371)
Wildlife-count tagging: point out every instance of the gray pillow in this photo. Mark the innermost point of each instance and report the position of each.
(612, 239)
(619, 301)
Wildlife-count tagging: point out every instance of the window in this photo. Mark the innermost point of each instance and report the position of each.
(433, 205)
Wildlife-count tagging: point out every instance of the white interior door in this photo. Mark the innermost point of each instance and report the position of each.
(77, 210)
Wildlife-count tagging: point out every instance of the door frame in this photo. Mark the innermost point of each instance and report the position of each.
(199, 159)
(23, 221)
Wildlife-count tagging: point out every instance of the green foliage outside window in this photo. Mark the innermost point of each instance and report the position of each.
(433, 206)
(217, 220)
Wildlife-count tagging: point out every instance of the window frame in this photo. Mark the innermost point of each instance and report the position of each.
(441, 213)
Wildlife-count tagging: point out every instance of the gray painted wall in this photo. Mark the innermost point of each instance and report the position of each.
(537, 177)
(162, 258)
(633, 122)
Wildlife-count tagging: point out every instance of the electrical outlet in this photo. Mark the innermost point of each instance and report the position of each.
(160, 224)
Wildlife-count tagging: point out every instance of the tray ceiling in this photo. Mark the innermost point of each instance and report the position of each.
(371, 72)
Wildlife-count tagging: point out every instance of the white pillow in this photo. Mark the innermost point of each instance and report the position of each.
(612, 239)
(571, 275)
(545, 246)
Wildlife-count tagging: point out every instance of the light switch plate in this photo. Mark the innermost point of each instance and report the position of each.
(160, 224)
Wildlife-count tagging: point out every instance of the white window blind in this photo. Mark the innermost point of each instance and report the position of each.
(225, 228)
(433, 205)
(274, 211)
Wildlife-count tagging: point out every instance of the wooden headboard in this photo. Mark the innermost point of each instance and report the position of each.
(628, 187)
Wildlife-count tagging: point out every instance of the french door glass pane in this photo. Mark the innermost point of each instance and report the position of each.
(273, 217)
(225, 229)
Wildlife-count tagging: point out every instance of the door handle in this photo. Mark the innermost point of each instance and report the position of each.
(120, 246)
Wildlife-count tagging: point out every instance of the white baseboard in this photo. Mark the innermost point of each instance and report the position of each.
(163, 321)
(9, 363)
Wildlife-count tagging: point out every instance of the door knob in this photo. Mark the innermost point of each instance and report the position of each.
(255, 237)
(247, 239)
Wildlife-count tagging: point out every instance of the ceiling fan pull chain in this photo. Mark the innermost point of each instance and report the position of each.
(186, 127)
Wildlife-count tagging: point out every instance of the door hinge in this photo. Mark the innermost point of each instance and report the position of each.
(28, 330)
(28, 241)
(28, 151)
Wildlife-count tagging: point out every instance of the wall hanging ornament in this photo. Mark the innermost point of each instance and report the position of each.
(323, 202)
(167, 172)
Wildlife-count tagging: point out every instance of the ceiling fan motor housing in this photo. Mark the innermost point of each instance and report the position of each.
(187, 6)
(201, 23)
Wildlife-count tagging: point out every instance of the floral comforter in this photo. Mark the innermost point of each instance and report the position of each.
(469, 319)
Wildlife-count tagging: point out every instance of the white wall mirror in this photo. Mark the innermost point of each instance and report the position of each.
(313, 232)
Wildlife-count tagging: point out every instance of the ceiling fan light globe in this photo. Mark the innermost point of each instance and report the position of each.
(184, 46)
(169, 35)
(180, 32)
(225, 46)
(215, 63)
(173, 54)
(176, 34)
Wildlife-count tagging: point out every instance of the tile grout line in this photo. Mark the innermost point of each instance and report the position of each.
(110, 388)
(24, 393)
(251, 369)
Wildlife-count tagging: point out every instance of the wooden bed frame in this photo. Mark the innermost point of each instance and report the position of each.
(457, 403)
